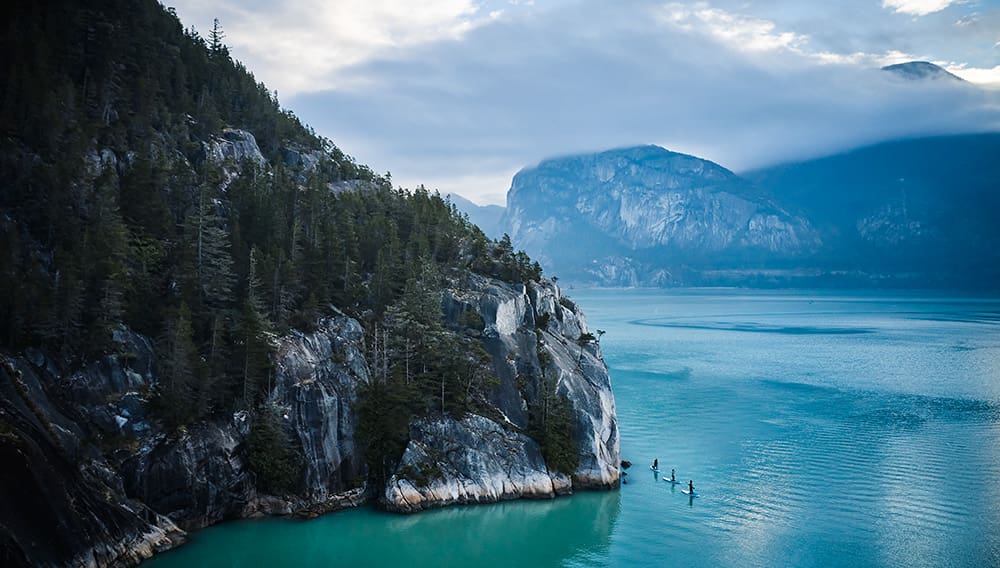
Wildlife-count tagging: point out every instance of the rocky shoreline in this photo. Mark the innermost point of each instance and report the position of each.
(88, 457)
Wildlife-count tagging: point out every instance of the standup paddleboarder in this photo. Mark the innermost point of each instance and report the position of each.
(656, 463)
(691, 487)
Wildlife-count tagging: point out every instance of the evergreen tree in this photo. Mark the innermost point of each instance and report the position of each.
(215, 37)
(178, 369)
(270, 455)
(254, 341)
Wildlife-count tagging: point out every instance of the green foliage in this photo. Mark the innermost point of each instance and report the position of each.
(383, 427)
(420, 368)
(177, 389)
(585, 338)
(551, 424)
(472, 320)
(550, 420)
(270, 455)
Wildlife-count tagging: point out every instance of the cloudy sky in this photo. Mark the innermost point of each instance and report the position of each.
(460, 94)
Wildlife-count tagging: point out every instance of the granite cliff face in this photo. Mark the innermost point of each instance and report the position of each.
(201, 477)
(532, 334)
(645, 216)
(65, 503)
(89, 461)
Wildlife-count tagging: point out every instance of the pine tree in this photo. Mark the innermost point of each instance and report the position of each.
(215, 37)
(270, 456)
(254, 342)
(211, 265)
(178, 369)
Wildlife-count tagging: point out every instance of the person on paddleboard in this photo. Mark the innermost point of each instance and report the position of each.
(656, 463)
(672, 476)
(691, 487)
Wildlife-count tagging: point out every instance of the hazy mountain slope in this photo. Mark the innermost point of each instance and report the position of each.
(926, 206)
(914, 213)
(647, 216)
(486, 217)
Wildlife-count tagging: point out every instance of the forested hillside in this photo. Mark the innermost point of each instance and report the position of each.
(114, 210)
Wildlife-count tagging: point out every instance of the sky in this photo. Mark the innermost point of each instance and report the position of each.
(459, 95)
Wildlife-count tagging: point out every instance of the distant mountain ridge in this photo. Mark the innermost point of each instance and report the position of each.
(919, 70)
(486, 217)
(913, 213)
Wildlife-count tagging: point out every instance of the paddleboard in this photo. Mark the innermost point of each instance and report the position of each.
(672, 481)
(654, 468)
(686, 492)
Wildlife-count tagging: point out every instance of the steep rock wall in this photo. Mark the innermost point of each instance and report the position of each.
(511, 468)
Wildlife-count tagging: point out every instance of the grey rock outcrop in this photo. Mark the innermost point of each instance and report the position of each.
(201, 477)
(119, 505)
(520, 323)
(62, 502)
(474, 460)
(235, 146)
(316, 389)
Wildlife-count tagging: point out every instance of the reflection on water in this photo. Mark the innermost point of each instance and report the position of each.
(549, 533)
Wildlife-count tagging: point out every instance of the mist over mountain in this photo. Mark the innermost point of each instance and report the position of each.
(910, 213)
(645, 215)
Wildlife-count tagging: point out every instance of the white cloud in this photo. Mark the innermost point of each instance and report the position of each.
(737, 31)
(895, 56)
(461, 95)
(988, 76)
(305, 45)
(917, 7)
(751, 35)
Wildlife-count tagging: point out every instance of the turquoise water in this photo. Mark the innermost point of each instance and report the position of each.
(819, 429)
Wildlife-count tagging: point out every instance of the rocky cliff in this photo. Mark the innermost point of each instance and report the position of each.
(90, 479)
(87, 456)
(646, 216)
(533, 335)
(200, 476)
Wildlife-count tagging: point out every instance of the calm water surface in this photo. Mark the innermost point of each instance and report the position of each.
(820, 430)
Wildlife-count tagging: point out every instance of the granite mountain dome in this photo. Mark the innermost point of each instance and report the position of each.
(647, 216)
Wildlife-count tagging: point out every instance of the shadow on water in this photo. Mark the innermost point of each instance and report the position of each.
(548, 532)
